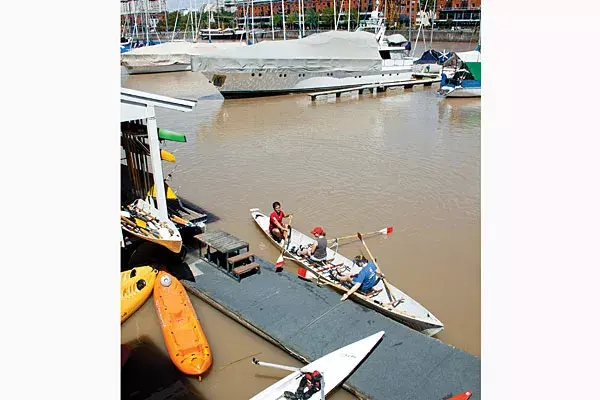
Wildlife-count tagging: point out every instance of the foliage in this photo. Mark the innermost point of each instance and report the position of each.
(223, 18)
(311, 18)
(291, 19)
(327, 17)
(277, 20)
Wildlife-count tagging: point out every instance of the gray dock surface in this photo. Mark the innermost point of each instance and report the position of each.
(309, 321)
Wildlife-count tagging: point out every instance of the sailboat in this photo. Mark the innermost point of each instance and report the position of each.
(466, 81)
(174, 56)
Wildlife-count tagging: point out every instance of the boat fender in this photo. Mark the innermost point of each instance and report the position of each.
(140, 284)
(165, 280)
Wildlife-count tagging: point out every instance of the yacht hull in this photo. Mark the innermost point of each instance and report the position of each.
(268, 83)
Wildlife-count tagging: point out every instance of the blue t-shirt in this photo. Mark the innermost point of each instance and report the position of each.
(367, 277)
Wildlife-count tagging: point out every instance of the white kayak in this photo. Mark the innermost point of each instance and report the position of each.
(335, 367)
(409, 312)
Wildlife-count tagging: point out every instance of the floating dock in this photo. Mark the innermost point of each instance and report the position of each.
(309, 321)
(373, 88)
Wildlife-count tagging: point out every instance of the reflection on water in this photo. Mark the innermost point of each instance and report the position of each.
(406, 158)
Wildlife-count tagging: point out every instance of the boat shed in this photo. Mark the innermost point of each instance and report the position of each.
(141, 106)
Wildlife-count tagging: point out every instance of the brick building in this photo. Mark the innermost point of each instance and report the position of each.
(458, 13)
(137, 9)
(448, 12)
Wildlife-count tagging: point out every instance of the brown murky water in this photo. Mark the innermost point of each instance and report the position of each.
(404, 158)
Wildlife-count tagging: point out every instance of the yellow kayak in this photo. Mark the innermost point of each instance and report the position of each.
(165, 155)
(136, 287)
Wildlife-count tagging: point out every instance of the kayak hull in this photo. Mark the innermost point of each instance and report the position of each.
(185, 340)
(335, 368)
(136, 287)
(462, 396)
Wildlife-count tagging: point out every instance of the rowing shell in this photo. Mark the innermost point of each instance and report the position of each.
(409, 312)
(335, 368)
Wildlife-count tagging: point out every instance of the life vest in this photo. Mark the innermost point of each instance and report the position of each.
(310, 381)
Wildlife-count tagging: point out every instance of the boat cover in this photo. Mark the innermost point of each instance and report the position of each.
(469, 56)
(433, 57)
(170, 53)
(472, 61)
(327, 51)
(396, 39)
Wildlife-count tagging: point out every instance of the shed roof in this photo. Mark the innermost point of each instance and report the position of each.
(134, 103)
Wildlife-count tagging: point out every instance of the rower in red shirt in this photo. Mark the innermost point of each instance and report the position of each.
(276, 226)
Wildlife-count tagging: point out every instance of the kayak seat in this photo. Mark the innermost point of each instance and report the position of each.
(174, 305)
(186, 339)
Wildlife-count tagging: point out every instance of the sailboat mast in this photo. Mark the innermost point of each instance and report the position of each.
(432, 19)
(272, 27)
(302, 14)
(349, 7)
(334, 19)
(253, 36)
(147, 25)
(410, 20)
(339, 15)
(209, 20)
(175, 27)
(283, 18)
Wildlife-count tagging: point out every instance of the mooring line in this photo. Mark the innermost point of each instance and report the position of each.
(322, 315)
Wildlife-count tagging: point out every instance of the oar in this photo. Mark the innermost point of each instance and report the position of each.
(284, 367)
(384, 231)
(387, 288)
(280, 260)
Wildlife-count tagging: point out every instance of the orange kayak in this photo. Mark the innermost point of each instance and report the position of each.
(185, 340)
(462, 396)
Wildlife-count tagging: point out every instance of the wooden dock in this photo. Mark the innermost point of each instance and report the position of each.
(375, 87)
(309, 321)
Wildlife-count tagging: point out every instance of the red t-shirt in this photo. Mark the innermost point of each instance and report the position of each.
(275, 217)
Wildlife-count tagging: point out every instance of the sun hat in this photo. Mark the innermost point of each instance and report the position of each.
(317, 231)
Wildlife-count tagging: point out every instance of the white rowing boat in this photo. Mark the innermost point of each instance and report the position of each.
(334, 367)
(409, 312)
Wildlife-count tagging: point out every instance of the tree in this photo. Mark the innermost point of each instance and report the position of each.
(276, 19)
(327, 17)
(292, 19)
(311, 18)
(354, 18)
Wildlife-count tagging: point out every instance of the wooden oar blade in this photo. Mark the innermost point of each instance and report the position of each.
(359, 236)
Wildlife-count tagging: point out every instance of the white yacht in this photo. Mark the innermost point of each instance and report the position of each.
(322, 61)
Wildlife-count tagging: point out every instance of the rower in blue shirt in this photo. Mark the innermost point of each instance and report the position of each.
(364, 280)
